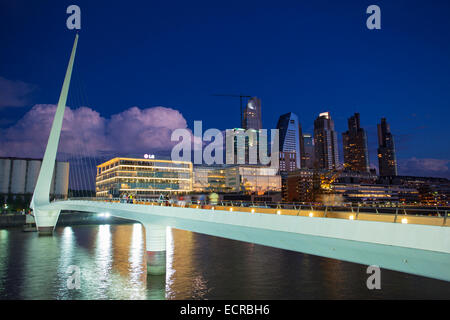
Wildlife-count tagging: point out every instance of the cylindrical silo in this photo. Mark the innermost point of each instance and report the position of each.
(18, 176)
(32, 175)
(5, 171)
(61, 179)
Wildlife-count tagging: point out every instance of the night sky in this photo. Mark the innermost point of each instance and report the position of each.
(298, 56)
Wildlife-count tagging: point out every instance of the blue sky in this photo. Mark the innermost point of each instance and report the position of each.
(304, 57)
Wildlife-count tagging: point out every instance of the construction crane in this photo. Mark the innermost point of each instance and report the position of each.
(240, 96)
(326, 181)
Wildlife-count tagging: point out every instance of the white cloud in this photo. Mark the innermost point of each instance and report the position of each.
(85, 131)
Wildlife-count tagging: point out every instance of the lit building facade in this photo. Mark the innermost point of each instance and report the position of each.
(302, 186)
(253, 179)
(290, 132)
(288, 161)
(375, 193)
(252, 115)
(245, 179)
(387, 161)
(209, 179)
(18, 177)
(240, 144)
(298, 186)
(356, 154)
(325, 142)
(143, 177)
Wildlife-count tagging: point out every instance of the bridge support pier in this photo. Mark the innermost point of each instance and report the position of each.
(46, 220)
(155, 242)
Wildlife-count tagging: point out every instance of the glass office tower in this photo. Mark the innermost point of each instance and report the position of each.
(290, 136)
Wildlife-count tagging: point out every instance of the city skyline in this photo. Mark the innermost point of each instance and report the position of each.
(372, 144)
(415, 120)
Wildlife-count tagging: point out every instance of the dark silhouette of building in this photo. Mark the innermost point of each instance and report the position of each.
(307, 153)
(431, 190)
(387, 161)
(325, 142)
(354, 139)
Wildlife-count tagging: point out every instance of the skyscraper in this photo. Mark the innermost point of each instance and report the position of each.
(387, 161)
(356, 155)
(307, 160)
(325, 142)
(239, 144)
(290, 135)
(250, 133)
(252, 115)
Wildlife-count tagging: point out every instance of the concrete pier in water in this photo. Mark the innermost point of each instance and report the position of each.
(46, 221)
(155, 242)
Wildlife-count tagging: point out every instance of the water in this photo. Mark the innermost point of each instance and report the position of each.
(112, 263)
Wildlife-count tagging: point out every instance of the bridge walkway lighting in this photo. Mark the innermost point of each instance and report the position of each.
(371, 214)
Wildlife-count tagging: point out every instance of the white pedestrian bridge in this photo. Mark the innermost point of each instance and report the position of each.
(414, 244)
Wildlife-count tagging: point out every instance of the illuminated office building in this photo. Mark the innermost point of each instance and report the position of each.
(241, 143)
(209, 179)
(375, 193)
(143, 177)
(354, 140)
(288, 161)
(253, 179)
(250, 133)
(325, 142)
(298, 186)
(246, 179)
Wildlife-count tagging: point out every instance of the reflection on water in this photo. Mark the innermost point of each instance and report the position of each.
(112, 263)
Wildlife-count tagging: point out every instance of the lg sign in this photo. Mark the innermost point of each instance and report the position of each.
(149, 156)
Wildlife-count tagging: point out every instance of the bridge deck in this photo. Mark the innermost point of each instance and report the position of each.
(431, 216)
(406, 247)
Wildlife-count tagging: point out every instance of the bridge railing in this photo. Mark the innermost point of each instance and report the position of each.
(406, 214)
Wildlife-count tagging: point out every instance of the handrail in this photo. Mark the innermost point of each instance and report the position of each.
(279, 205)
(427, 216)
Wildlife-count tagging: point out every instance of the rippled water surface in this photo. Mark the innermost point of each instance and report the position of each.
(112, 263)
